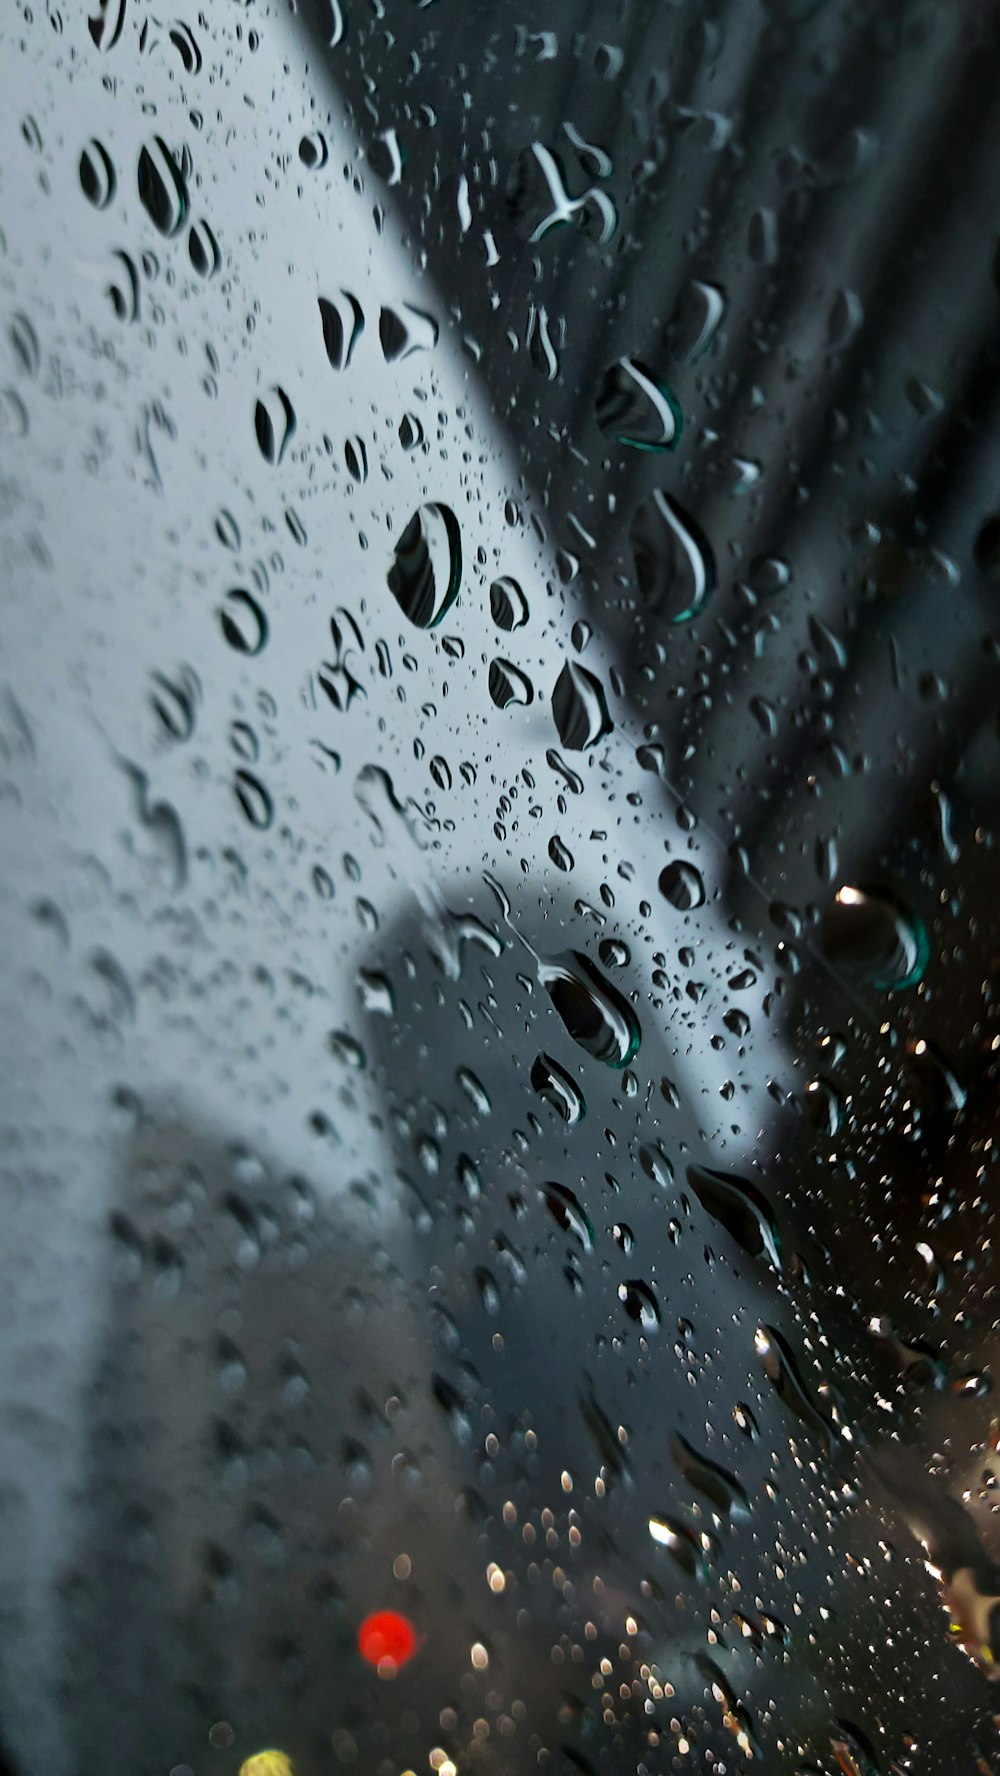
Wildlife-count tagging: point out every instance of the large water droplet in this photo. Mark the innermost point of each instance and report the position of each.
(640, 1303)
(569, 1213)
(343, 324)
(405, 330)
(508, 605)
(97, 174)
(162, 188)
(427, 570)
(507, 685)
(725, 1492)
(740, 1207)
(682, 885)
(635, 409)
(673, 559)
(203, 250)
(782, 1372)
(580, 708)
(594, 1013)
(867, 931)
(274, 424)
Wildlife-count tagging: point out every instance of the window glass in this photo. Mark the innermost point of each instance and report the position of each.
(499, 792)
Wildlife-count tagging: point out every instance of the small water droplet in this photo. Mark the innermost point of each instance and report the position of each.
(243, 622)
(559, 1089)
(254, 800)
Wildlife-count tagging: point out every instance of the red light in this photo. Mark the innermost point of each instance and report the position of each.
(387, 1640)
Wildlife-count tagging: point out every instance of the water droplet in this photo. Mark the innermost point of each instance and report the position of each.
(594, 1013)
(254, 800)
(330, 22)
(24, 342)
(376, 990)
(227, 530)
(427, 570)
(741, 1208)
(682, 885)
(635, 409)
(162, 188)
(123, 291)
(640, 1303)
(824, 1106)
(274, 424)
(474, 1090)
(867, 931)
(507, 685)
(700, 1471)
(614, 952)
(697, 320)
(175, 701)
(314, 150)
(243, 622)
(203, 250)
(106, 24)
(688, 1548)
(560, 854)
(782, 1372)
(411, 432)
(356, 458)
(186, 44)
(569, 1214)
(13, 415)
(558, 1088)
(673, 559)
(405, 330)
(346, 1049)
(97, 174)
(508, 605)
(580, 708)
(343, 323)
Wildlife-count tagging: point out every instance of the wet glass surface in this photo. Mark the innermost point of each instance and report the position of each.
(499, 670)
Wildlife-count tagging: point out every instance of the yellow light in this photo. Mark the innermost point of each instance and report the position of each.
(267, 1763)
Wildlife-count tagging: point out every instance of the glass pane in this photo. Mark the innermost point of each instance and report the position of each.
(499, 785)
